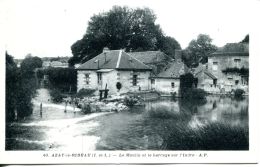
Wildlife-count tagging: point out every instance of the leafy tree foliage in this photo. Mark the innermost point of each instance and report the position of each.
(62, 79)
(11, 87)
(121, 28)
(20, 86)
(168, 45)
(198, 50)
(29, 64)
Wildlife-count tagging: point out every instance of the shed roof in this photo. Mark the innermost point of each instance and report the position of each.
(114, 59)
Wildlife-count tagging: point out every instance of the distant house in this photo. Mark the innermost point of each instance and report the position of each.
(54, 64)
(112, 67)
(205, 79)
(227, 69)
(168, 80)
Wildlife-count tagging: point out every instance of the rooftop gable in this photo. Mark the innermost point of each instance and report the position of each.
(173, 70)
(114, 59)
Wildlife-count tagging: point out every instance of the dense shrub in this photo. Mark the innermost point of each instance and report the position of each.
(63, 79)
(194, 93)
(86, 109)
(238, 93)
(214, 136)
(188, 90)
(21, 86)
(85, 92)
(56, 96)
(131, 100)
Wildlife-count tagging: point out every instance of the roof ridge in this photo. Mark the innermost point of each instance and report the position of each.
(119, 59)
(146, 51)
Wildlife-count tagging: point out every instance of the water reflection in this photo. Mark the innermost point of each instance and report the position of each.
(141, 128)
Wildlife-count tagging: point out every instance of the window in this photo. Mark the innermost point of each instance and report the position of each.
(236, 82)
(134, 80)
(215, 82)
(152, 81)
(99, 77)
(244, 80)
(237, 62)
(173, 84)
(215, 66)
(87, 78)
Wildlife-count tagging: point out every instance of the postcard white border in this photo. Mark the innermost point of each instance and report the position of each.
(251, 156)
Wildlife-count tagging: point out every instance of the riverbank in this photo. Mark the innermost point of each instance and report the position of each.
(154, 126)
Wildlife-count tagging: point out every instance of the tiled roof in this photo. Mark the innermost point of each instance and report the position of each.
(173, 70)
(114, 59)
(202, 68)
(149, 57)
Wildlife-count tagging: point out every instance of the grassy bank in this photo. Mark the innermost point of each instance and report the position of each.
(215, 136)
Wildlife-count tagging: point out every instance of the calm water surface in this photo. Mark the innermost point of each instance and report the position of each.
(141, 128)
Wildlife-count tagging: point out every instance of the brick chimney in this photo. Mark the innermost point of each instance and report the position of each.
(178, 55)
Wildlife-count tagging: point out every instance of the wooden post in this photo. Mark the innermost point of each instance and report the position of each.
(41, 110)
(66, 103)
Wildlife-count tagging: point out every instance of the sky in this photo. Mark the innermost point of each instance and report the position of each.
(47, 28)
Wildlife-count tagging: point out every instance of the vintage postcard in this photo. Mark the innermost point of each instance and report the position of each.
(129, 82)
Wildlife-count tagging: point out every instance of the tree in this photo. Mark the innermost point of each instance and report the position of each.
(120, 28)
(199, 50)
(30, 63)
(11, 87)
(168, 45)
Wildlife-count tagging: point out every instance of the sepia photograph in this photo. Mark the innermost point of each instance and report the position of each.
(123, 75)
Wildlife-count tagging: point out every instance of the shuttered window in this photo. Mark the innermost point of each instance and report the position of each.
(87, 78)
(134, 80)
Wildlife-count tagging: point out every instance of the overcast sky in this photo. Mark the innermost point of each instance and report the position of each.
(50, 27)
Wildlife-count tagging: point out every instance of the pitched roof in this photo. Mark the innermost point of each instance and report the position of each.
(149, 57)
(233, 49)
(114, 59)
(202, 68)
(173, 70)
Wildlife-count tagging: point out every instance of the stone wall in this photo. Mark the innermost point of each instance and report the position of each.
(164, 85)
(111, 78)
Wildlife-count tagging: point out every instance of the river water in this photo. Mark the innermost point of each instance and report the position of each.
(141, 128)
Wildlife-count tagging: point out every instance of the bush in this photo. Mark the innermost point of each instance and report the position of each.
(194, 93)
(56, 96)
(20, 87)
(131, 100)
(63, 79)
(214, 136)
(86, 109)
(85, 92)
(238, 93)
